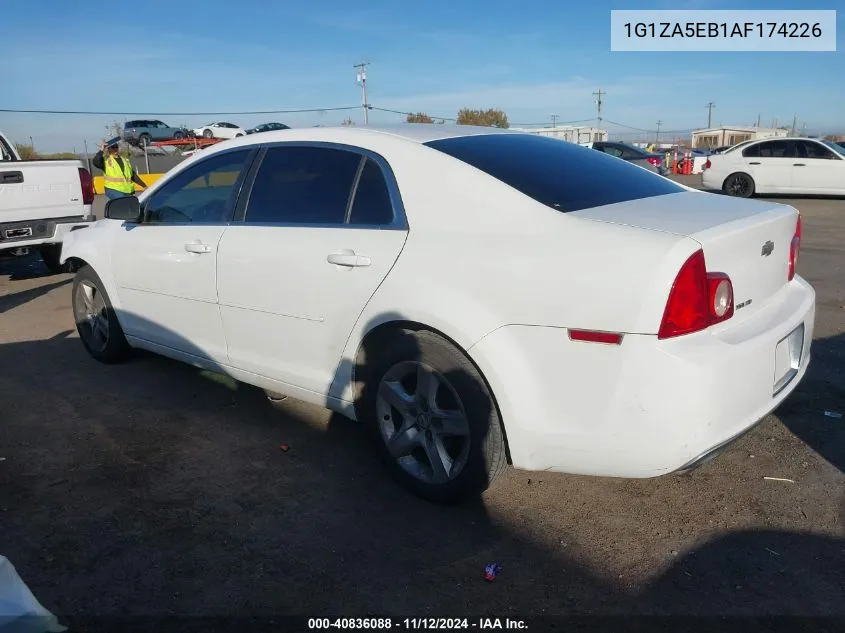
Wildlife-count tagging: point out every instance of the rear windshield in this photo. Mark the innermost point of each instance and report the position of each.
(559, 174)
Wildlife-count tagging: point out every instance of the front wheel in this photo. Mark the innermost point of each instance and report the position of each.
(96, 320)
(739, 185)
(207, 133)
(178, 136)
(432, 416)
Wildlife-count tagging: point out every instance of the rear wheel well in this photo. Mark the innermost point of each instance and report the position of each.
(382, 333)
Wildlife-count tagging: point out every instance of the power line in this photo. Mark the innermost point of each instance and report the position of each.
(148, 113)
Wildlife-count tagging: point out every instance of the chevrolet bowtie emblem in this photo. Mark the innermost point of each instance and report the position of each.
(767, 249)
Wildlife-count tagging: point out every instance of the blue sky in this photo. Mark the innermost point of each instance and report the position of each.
(530, 58)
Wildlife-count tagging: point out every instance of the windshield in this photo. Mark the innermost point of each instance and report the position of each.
(559, 174)
(836, 147)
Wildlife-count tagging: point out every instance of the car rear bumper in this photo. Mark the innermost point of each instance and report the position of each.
(646, 407)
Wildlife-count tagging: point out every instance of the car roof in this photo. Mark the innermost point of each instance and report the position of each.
(418, 132)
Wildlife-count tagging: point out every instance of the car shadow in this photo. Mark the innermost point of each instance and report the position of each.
(23, 267)
(823, 393)
(152, 488)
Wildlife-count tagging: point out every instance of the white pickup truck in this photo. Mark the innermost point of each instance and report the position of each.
(41, 201)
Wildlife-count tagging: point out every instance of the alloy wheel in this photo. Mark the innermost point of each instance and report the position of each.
(92, 315)
(423, 422)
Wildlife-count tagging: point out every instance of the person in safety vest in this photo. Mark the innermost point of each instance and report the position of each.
(119, 177)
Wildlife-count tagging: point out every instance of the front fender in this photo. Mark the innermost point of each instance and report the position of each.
(93, 246)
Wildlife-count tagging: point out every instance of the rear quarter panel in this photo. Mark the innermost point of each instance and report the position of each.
(481, 255)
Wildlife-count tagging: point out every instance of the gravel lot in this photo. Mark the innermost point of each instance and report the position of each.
(152, 488)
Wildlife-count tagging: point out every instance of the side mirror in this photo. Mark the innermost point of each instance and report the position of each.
(127, 208)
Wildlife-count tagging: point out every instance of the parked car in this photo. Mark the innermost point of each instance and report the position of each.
(41, 203)
(267, 127)
(778, 165)
(649, 160)
(145, 131)
(470, 295)
(220, 129)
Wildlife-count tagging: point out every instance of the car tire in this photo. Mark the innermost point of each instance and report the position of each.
(207, 134)
(144, 140)
(178, 136)
(445, 464)
(50, 255)
(238, 135)
(739, 185)
(96, 321)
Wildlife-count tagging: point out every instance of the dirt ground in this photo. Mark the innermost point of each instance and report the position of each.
(152, 488)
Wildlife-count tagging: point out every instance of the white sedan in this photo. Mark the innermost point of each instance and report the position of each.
(220, 129)
(778, 165)
(473, 296)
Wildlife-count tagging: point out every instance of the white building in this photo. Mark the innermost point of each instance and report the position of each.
(568, 133)
(731, 135)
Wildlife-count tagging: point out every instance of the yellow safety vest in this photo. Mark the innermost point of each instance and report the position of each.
(116, 178)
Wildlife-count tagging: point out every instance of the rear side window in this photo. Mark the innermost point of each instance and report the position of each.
(561, 175)
(302, 185)
(371, 204)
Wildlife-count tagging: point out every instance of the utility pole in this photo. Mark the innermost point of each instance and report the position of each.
(362, 79)
(554, 120)
(657, 137)
(758, 120)
(710, 107)
(794, 124)
(598, 96)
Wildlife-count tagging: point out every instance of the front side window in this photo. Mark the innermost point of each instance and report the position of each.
(560, 175)
(303, 185)
(815, 150)
(204, 192)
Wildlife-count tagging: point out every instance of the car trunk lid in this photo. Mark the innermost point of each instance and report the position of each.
(749, 240)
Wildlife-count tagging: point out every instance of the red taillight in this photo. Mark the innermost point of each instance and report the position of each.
(794, 248)
(87, 184)
(655, 161)
(707, 164)
(698, 299)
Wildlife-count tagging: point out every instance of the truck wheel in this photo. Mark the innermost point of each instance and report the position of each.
(50, 254)
(432, 416)
(96, 320)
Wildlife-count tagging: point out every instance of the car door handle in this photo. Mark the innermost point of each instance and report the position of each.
(197, 247)
(348, 258)
(754, 162)
(798, 165)
(11, 177)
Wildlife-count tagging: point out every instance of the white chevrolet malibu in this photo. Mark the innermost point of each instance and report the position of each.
(475, 297)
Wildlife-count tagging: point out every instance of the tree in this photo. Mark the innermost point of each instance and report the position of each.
(486, 118)
(26, 151)
(419, 117)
